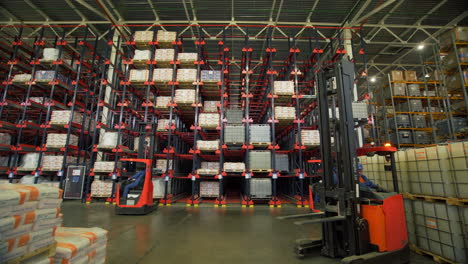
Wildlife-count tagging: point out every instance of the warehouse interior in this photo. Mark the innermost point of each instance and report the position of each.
(265, 131)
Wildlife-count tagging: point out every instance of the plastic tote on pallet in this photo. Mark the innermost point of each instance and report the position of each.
(458, 153)
(234, 134)
(404, 137)
(260, 160)
(422, 138)
(234, 116)
(419, 121)
(260, 188)
(282, 162)
(440, 229)
(259, 133)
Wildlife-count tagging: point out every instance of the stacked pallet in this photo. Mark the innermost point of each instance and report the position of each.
(162, 102)
(159, 186)
(259, 134)
(29, 162)
(208, 168)
(284, 88)
(104, 166)
(184, 97)
(208, 120)
(44, 76)
(143, 38)
(164, 57)
(138, 77)
(55, 140)
(187, 59)
(108, 140)
(21, 78)
(260, 188)
(187, 78)
(29, 217)
(63, 117)
(5, 139)
(162, 76)
(285, 113)
(208, 145)
(234, 134)
(310, 138)
(210, 106)
(209, 189)
(54, 163)
(260, 160)
(235, 167)
(163, 125)
(166, 38)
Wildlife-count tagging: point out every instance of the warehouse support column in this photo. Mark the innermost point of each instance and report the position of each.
(107, 96)
(349, 50)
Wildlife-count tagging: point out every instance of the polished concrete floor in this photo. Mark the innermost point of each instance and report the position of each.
(205, 235)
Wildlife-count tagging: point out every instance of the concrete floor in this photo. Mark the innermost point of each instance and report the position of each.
(205, 235)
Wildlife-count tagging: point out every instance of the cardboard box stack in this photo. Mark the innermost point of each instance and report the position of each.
(164, 56)
(162, 102)
(101, 188)
(184, 96)
(47, 76)
(142, 55)
(138, 75)
(284, 87)
(234, 166)
(162, 75)
(29, 217)
(208, 76)
(62, 117)
(208, 120)
(54, 163)
(142, 39)
(50, 54)
(188, 76)
(104, 166)
(187, 59)
(209, 188)
(210, 106)
(285, 113)
(55, 140)
(22, 77)
(209, 168)
(163, 125)
(81, 245)
(397, 76)
(165, 38)
(310, 138)
(208, 145)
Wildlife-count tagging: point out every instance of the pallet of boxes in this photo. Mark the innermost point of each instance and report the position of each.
(31, 232)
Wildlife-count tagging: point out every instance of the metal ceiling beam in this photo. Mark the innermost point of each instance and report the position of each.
(188, 16)
(83, 17)
(94, 10)
(382, 21)
(44, 15)
(155, 13)
(374, 11)
(8, 14)
(363, 7)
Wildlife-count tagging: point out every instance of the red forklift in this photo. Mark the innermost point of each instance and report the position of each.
(134, 194)
(358, 225)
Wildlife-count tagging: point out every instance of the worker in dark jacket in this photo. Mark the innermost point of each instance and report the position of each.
(134, 182)
(365, 183)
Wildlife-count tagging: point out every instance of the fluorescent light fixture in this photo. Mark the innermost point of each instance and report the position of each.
(420, 46)
(427, 75)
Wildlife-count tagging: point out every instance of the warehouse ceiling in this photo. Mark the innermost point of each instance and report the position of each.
(391, 29)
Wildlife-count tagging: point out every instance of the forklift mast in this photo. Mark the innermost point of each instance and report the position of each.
(344, 233)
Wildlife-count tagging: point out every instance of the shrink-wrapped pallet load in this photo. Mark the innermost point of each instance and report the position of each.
(29, 162)
(142, 55)
(166, 38)
(162, 75)
(209, 76)
(50, 54)
(54, 163)
(187, 77)
(138, 76)
(162, 102)
(62, 117)
(104, 166)
(29, 216)
(164, 57)
(310, 138)
(21, 78)
(163, 125)
(45, 76)
(208, 120)
(55, 140)
(143, 38)
(109, 140)
(234, 166)
(285, 113)
(208, 168)
(209, 188)
(184, 96)
(187, 59)
(162, 163)
(136, 143)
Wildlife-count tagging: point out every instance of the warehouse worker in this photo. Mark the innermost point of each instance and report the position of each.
(134, 182)
(364, 182)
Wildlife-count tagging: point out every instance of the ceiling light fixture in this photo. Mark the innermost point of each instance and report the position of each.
(372, 79)
(420, 46)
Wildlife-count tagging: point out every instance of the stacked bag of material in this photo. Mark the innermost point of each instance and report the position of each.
(184, 96)
(165, 38)
(163, 125)
(54, 163)
(164, 56)
(62, 117)
(208, 145)
(285, 113)
(234, 166)
(29, 217)
(138, 75)
(187, 59)
(108, 140)
(162, 102)
(142, 55)
(284, 87)
(208, 120)
(5, 139)
(208, 168)
(143, 37)
(104, 166)
(29, 162)
(55, 140)
(40, 100)
(101, 188)
(22, 77)
(162, 75)
(209, 188)
(310, 138)
(186, 75)
(210, 106)
(50, 54)
(80, 245)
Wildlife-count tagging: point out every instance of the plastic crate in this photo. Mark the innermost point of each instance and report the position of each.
(260, 160)
(234, 116)
(259, 134)
(404, 137)
(234, 134)
(260, 188)
(282, 162)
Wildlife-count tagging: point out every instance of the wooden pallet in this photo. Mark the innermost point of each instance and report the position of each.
(260, 144)
(263, 170)
(48, 251)
(434, 256)
(430, 198)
